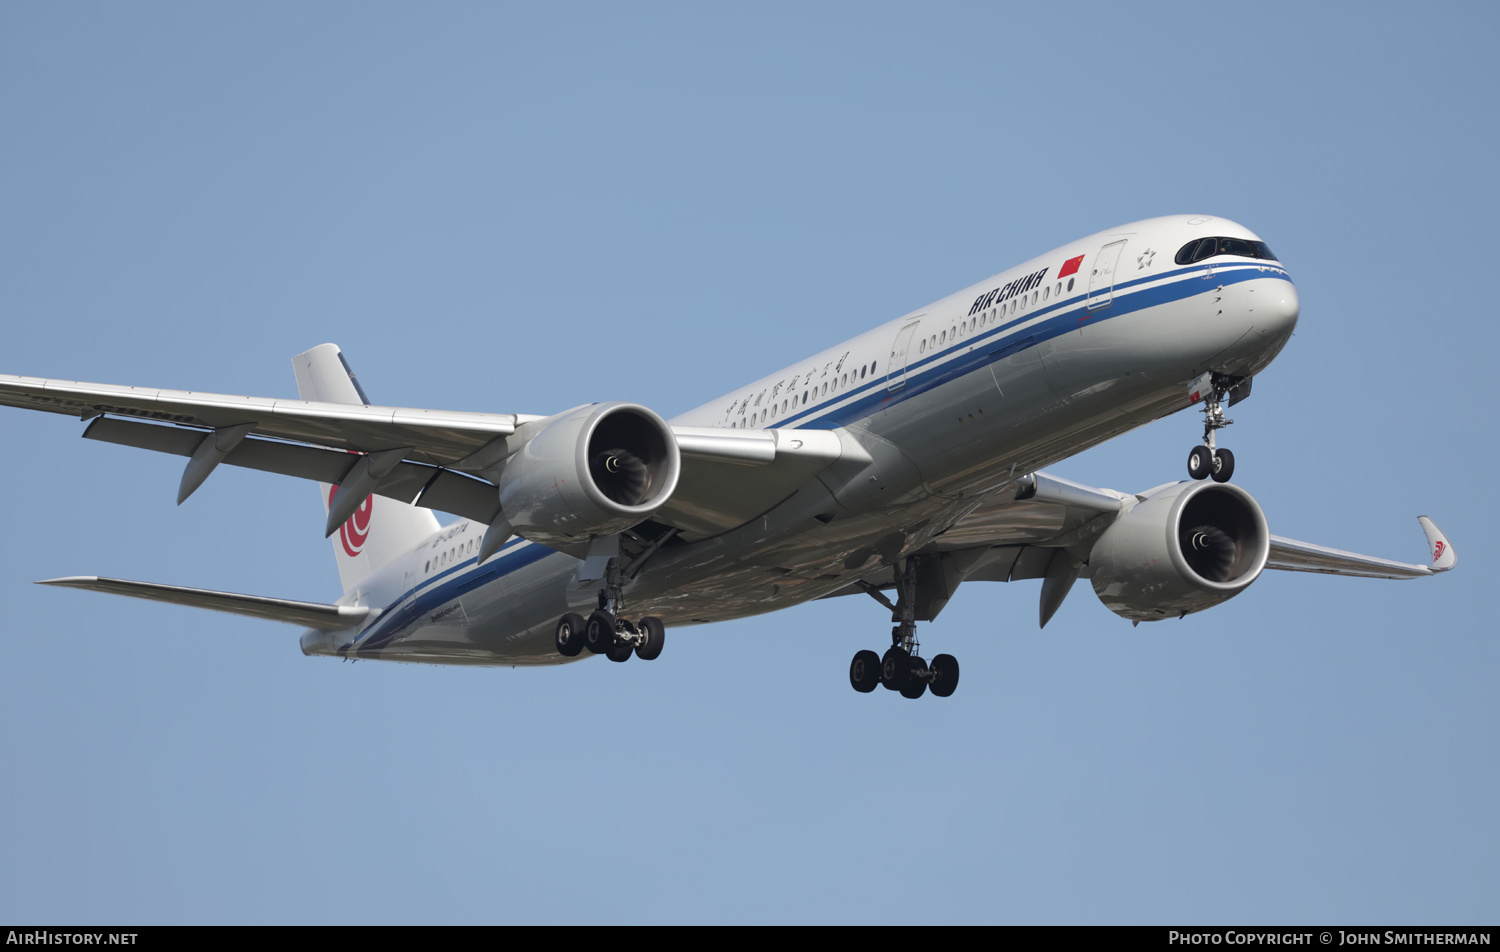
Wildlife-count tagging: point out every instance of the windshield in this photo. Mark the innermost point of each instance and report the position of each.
(1200, 248)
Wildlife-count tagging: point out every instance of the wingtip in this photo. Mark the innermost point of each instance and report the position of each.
(1444, 557)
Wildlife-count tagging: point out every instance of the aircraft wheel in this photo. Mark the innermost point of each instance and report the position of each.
(1223, 466)
(656, 634)
(894, 669)
(619, 652)
(1200, 462)
(945, 675)
(864, 671)
(599, 632)
(570, 634)
(916, 679)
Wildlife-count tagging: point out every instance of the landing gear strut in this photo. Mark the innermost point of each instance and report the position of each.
(901, 668)
(1208, 460)
(606, 631)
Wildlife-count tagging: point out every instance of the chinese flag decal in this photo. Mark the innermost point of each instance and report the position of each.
(1070, 267)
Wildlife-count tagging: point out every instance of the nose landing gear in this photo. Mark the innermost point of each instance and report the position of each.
(1209, 460)
(901, 668)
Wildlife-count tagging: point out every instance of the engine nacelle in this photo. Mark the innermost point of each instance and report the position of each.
(1187, 547)
(589, 472)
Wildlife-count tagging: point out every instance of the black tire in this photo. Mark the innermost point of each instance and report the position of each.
(945, 675)
(893, 668)
(1200, 462)
(864, 671)
(620, 652)
(1223, 466)
(569, 635)
(916, 679)
(656, 636)
(599, 632)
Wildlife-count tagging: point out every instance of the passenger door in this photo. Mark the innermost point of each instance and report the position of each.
(1102, 279)
(895, 374)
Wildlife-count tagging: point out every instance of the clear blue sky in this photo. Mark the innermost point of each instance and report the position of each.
(523, 208)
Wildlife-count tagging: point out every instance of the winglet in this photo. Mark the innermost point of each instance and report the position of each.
(1438, 546)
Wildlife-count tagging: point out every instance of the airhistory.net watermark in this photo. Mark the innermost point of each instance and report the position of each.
(41, 937)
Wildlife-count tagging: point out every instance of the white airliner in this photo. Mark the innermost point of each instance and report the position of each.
(904, 461)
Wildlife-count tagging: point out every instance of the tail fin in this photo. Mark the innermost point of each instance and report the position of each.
(377, 533)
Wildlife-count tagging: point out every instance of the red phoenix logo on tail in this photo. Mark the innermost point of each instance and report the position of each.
(356, 529)
(1437, 551)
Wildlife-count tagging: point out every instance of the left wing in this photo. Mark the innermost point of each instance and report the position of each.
(1048, 512)
(1043, 526)
(1293, 556)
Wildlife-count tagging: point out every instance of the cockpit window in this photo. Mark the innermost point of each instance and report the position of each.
(1200, 248)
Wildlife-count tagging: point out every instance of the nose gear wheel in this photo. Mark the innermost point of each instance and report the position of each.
(1208, 460)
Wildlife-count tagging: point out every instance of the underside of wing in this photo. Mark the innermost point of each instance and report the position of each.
(306, 614)
(1290, 555)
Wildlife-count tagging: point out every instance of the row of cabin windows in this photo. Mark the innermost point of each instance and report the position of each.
(451, 555)
(991, 316)
(813, 393)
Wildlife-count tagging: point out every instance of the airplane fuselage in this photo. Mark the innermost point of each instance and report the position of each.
(939, 410)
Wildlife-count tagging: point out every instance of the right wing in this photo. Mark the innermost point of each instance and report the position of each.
(432, 458)
(306, 614)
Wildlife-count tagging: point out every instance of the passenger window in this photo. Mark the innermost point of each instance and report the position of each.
(428, 566)
(1045, 292)
(872, 365)
(861, 373)
(1034, 297)
(1058, 292)
(922, 349)
(845, 381)
(1070, 284)
(943, 338)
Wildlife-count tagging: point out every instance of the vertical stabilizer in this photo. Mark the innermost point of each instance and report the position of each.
(383, 529)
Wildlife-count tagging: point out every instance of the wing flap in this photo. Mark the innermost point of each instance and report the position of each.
(306, 614)
(440, 489)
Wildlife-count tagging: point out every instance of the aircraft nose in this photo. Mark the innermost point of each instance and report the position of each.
(1276, 313)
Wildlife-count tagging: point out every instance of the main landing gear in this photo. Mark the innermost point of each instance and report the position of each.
(1207, 460)
(902, 668)
(605, 632)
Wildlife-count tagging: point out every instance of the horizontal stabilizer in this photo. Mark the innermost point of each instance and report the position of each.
(307, 614)
(1293, 556)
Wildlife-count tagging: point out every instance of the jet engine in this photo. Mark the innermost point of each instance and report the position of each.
(1186, 547)
(590, 471)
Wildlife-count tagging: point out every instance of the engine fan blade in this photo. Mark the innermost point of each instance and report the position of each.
(621, 475)
(1209, 551)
